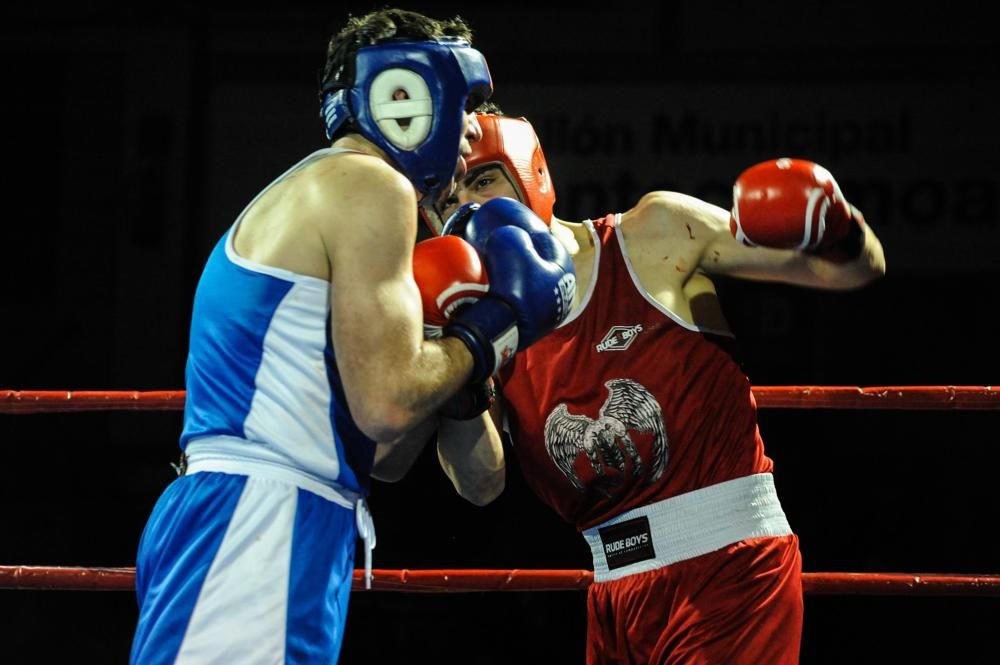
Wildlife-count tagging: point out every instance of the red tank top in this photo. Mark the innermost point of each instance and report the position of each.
(625, 404)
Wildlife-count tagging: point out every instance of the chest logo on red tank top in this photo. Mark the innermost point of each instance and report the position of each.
(619, 338)
(603, 452)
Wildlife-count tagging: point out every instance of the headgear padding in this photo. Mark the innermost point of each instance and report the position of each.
(420, 133)
(513, 143)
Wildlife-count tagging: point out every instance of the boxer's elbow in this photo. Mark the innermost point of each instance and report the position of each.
(382, 417)
(485, 490)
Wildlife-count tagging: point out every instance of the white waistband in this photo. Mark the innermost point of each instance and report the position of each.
(686, 526)
(201, 459)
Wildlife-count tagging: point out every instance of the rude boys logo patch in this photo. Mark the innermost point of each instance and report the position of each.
(627, 542)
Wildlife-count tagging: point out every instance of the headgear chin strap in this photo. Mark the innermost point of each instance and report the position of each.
(420, 131)
(513, 143)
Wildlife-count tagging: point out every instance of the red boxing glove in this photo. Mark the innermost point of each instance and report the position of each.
(795, 204)
(449, 273)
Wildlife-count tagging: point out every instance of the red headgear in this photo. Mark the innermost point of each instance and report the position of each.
(513, 144)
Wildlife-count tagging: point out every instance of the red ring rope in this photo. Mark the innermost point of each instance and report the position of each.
(458, 581)
(924, 398)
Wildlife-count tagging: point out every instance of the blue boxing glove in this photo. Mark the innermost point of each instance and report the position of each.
(531, 277)
(458, 220)
(534, 275)
(474, 223)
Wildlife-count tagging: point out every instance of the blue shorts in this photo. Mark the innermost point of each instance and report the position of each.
(238, 569)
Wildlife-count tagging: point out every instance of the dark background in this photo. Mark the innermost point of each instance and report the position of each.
(133, 137)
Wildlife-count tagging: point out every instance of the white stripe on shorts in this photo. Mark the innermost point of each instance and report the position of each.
(246, 590)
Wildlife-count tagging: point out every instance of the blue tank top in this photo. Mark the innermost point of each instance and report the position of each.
(261, 372)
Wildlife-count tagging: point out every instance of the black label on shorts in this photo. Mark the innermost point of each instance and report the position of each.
(627, 542)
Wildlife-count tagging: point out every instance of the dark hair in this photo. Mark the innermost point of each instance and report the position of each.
(376, 27)
(491, 108)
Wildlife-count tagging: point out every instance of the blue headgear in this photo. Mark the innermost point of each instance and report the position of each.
(441, 78)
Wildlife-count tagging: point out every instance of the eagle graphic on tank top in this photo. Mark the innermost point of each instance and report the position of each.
(607, 441)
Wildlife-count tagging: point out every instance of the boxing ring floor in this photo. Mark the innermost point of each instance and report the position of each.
(904, 484)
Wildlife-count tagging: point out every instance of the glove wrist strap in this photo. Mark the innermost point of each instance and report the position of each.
(470, 401)
(849, 247)
(489, 330)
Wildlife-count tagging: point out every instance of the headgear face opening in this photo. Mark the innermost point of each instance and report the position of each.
(420, 132)
(513, 144)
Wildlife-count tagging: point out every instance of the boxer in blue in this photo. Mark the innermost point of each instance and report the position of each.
(307, 346)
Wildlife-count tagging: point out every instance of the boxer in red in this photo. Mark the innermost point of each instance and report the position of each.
(633, 421)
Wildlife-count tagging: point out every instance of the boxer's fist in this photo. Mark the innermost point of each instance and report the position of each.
(794, 204)
(474, 223)
(514, 230)
(532, 282)
(449, 274)
(533, 273)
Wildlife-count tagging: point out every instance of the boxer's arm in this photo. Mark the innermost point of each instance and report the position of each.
(689, 234)
(726, 255)
(393, 378)
(797, 204)
(471, 454)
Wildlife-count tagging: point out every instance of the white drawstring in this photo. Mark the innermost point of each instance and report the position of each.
(366, 530)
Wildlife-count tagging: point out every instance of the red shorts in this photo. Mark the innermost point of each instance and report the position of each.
(741, 605)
